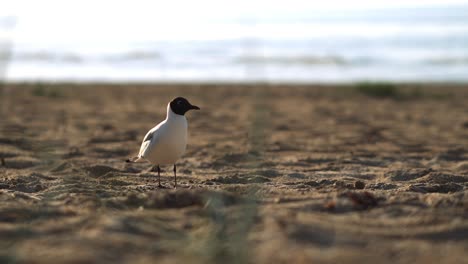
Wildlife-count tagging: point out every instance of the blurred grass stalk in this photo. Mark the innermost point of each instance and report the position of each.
(227, 241)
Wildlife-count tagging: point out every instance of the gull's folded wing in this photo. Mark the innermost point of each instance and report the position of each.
(150, 139)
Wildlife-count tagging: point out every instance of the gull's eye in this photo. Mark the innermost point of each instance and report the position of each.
(179, 102)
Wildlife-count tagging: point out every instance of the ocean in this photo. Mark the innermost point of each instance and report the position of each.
(398, 44)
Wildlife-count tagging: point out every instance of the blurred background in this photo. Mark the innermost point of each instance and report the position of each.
(209, 41)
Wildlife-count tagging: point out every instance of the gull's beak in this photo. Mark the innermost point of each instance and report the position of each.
(194, 107)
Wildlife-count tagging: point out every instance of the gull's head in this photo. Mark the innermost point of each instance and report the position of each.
(181, 106)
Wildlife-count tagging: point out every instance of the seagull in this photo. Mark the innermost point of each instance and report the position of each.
(166, 142)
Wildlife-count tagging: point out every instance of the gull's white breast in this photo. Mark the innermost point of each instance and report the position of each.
(168, 141)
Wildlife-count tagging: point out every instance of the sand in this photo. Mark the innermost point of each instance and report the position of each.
(272, 174)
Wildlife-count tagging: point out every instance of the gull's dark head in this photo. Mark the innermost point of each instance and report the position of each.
(181, 105)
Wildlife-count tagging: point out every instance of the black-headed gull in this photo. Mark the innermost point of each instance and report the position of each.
(166, 142)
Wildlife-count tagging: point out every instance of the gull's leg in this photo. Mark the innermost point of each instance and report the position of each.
(175, 177)
(159, 176)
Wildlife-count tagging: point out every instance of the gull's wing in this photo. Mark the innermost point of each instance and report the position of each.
(150, 139)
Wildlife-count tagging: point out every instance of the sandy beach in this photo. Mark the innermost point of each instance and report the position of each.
(272, 174)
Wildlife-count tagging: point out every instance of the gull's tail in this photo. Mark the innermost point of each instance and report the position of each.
(135, 159)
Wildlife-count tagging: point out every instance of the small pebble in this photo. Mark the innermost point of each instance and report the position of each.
(359, 185)
(465, 124)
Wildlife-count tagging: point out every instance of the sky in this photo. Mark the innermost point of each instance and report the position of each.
(33, 21)
(52, 11)
(197, 8)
